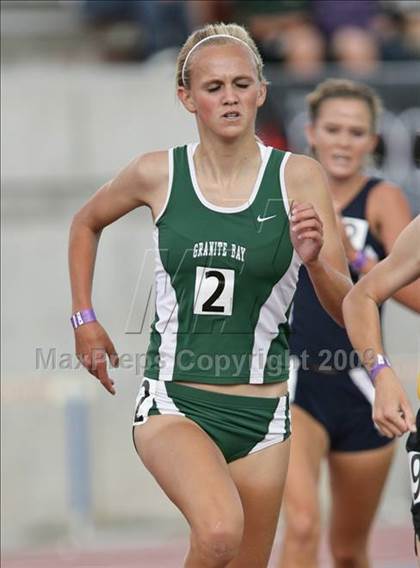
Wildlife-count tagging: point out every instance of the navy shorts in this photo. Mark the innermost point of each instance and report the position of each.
(342, 403)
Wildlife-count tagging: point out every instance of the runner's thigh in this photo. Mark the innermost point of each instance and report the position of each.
(357, 480)
(260, 479)
(191, 470)
(309, 445)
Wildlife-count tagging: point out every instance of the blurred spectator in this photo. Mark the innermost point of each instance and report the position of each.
(355, 50)
(135, 29)
(203, 12)
(304, 52)
(284, 32)
(412, 31)
(347, 27)
(330, 16)
(389, 28)
(268, 21)
(302, 34)
(398, 29)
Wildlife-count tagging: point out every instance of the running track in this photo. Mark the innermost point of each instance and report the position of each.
(391, 548)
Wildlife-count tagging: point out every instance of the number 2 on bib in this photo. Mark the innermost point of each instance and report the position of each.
(213, 294)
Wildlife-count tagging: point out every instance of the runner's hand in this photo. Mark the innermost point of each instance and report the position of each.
(92, 347)
(392, 412)
(306, 231)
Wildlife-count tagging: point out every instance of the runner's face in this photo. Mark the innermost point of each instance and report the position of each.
(225, 91)
(341, 136)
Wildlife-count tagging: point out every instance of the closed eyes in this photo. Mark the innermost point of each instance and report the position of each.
(214, 88)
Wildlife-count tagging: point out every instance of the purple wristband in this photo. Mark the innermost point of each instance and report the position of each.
(381, 362)
(82, 317)
(359, 262)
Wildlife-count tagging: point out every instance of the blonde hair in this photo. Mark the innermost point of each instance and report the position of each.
(344, 88)
(210, 33)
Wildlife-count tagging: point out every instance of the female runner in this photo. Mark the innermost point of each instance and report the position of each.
(332, 413)
(233, 222)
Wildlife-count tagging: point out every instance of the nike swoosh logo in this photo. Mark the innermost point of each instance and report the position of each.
(262, 219)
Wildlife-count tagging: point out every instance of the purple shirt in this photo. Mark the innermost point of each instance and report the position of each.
(331, 15)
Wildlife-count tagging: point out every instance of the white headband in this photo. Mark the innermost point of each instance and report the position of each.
(206, 39)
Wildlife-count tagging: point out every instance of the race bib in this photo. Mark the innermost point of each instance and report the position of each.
(414, 467)
(213, 293)
(356, 231)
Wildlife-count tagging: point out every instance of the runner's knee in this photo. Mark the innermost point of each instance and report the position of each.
(218, 540)
(348, 556)
(303, 525)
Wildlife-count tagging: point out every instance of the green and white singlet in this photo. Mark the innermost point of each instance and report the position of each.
(225, 279)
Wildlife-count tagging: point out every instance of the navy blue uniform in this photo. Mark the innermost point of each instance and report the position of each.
(331, 384)
(413, 450)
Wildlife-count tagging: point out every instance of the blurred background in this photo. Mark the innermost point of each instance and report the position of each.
(86, 86)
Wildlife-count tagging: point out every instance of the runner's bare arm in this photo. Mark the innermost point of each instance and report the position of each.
(389, 211)
(392, 411)
(142, 182)
(315, 234)
(400, 268)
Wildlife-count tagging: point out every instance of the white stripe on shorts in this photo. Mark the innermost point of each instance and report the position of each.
(164, 403)
(276, 429)
(362, 381)
(158, 395)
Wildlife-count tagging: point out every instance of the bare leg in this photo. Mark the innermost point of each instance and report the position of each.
(260, 479)
(193, 473)
(309, 446)
(357, 481)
